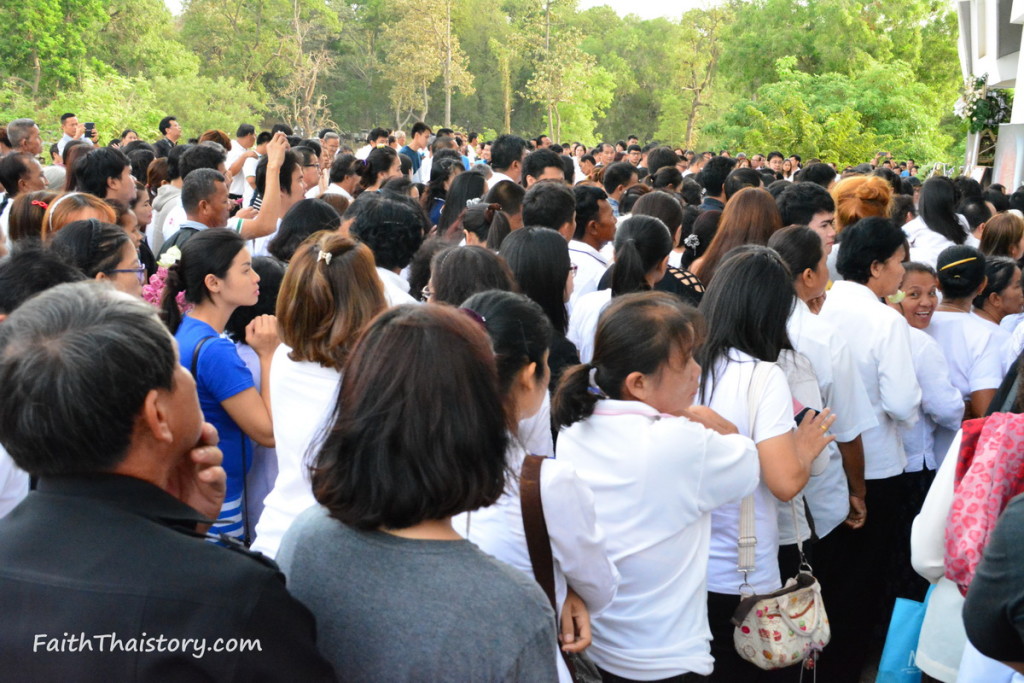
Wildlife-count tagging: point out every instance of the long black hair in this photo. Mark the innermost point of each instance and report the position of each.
(466, 186)
(208, 252)
(641, 244)
(539, 259)
(937, 207)
(746, 307)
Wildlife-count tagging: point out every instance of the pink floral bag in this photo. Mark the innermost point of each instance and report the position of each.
(989, 472)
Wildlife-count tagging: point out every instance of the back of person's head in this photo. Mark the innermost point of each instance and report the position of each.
(937, 206)
(587, 207)
(819, 174)
(860, 197)
(91, 356)
(200, 156)
(642, 245)
(705, 227)
(641, 332)
(304, 218)
(714, 173)
(659, 158)
(967, 187)
(393, 459)
(91, 246)
(999, 273)
(140, 159)
(873, 239)
(801, 202)
(506, 150)
(379, 161)
(750, 217)
(746, 308)
(691, 191)
(330, 293)
(520, 335)
(549, 204)
(271, 272)
(399, 185)
(1003, 235)
(174, 161)
(93, 170)
(72, 206)
(890, 177)
(29, 269)
(487, 223)
(686, 228)
(740, 178)
(663, 206)
(800, 248)
(961, 271)
(393, 227)
(25, 220)
(343, 167)
(465, 187)
(509, 195)
(200, 185)
(208, 252)
(540, 265)
(667, 177)
(617, 175)
(537, 162)
(457, 273)
(975, 210)
(1017, 200)
(902, 210)
(998, 199)
(630, 197)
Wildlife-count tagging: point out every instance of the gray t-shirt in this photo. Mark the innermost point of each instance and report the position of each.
(395, 609)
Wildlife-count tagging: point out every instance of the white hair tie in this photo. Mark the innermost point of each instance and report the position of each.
(691, 241)
(324, 256)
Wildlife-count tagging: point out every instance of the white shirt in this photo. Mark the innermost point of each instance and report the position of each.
(578, 550)
(941, 403)
(971, 349)
(843, 391)
(655, 479)
(396, 288)
(590, 268)
(498, 177)
(583, 322)
(248, 171)
(337, 189)
(5, 220)
(727, 394)
(304, 395)
(238, 183)
(62, 143)
(879, 341)
(1000, 337)
(926, 244)
(13, 483)
(535, 432)
(175, 217)
(363, 152)
(258, 246)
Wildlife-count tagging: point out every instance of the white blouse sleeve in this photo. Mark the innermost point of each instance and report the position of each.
(940, 400)
(775, 410)
(577, 542)
(987, 369)
(897, 383)
(928, 535)
(847, 397)
(731, 470)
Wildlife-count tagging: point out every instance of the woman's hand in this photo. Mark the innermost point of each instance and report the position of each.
(261, 335)
(812, 435)
(575, 626)
(703, 415)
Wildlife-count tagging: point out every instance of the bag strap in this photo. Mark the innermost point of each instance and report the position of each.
(195, 355)
(538, 543)
(747, 540)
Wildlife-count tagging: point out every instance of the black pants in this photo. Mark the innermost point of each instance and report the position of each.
(682, 678)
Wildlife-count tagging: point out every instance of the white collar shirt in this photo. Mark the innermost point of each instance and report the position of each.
(590, 268)
(396, 288)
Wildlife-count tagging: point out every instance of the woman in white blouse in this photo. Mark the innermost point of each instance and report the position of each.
(746, 308)
(657, 466)
(1001, 298)
(937, 225)
(879, 338)
(329, 293)
(585, 578)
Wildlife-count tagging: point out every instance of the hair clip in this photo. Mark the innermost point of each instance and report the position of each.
(43, 205)
(957, 263)
(474, 201)
(691, 241)
(473, 315)
(593, 388)
(324, 256)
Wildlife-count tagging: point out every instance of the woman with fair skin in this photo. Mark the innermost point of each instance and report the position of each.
(103, 252)
(1001, 297)
(381, 165)
(746, 308)
(216, 276)
(520, 333)
(75, 206)
(1004, 236)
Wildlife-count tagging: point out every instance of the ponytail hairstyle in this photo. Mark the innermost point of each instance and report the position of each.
(466, 187)
(705, 226)
(639, 332)
(440, 171)
(91, 246)
(800, 248)
(25, 219)
(483, 219)
(641, 245)
(208, 252)
(520, 334)
(961, 271)
(999, 271)
(379, 161)
(666, 177)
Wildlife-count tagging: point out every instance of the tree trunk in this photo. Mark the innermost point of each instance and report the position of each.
(448, 65)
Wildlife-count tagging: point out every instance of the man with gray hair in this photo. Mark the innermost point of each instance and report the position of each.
(105, 566)
(329, 144)
(204, 196)
(24, 137)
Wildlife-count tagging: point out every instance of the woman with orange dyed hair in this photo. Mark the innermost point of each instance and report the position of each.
(75, 206)
(860, 197)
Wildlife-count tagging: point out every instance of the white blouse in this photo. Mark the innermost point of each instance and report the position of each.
(941, 403)
(583, 322)
(879, 341)
(590, 268)
(926, 244)
(655, 480)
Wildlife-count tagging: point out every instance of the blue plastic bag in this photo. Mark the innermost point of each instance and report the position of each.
(898, 663)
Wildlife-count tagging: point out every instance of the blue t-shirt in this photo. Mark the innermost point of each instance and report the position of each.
(435, 210)
(413, 155)
(220, 374)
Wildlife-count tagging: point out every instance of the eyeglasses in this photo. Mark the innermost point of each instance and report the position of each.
(572, 269)
(140, 272)
(311, 166)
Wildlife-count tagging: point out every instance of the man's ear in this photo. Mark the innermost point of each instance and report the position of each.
(155, 415)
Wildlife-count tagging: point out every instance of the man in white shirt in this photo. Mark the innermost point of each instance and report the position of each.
(595, 227)
(507, 153)
(542, 164)
(249, 167)
(393, 228)
(378, 137)
(73, 130)
(241, 151)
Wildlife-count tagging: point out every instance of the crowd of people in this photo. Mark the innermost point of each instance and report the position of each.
(276, 389)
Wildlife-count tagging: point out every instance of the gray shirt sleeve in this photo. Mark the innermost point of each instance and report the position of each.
(536, 661)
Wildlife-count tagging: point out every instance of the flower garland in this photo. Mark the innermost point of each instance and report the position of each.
(153, 292)
(982, 107)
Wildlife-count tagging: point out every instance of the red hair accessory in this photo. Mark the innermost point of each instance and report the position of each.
(43, 205)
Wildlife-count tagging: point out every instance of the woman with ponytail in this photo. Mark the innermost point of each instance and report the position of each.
(381, 164)
(938, 225)
(657, 466)
(485, 225)
(642, 246)
(443, 172)
(216, 276)
(330, 292)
